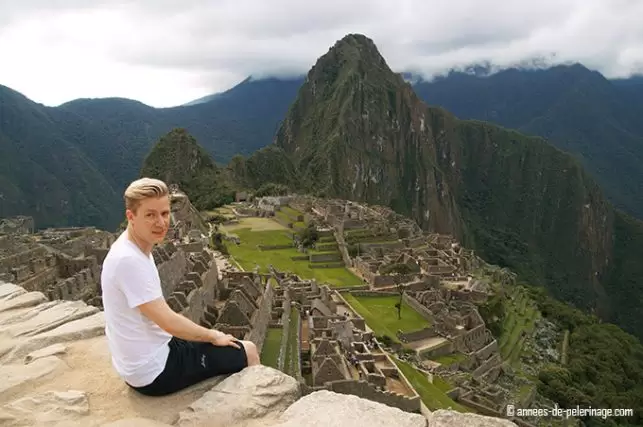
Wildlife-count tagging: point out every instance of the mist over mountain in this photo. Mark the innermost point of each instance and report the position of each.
(574, 108)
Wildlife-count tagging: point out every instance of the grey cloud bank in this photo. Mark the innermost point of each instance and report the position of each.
(196, 47)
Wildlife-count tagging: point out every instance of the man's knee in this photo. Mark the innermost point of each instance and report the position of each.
(251, 352)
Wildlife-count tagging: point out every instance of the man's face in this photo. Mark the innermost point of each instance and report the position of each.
(152, 219)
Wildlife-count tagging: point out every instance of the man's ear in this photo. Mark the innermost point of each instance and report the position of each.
(129, 215)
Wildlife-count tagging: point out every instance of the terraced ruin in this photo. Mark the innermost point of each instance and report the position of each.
(370, 307)
(437, 344)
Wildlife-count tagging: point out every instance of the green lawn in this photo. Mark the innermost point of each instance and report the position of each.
(449, 359)
(381, 315)
(431, 394)
(248, 255)
(270, 349)
(292, 347)
(293, 213)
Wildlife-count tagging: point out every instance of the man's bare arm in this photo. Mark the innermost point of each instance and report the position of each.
(175, 324)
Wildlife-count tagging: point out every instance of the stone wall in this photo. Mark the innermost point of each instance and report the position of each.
(21, 258)
(472, 340)
(82, 285)
(325, 257)
(191, 247)
(418, 335)
(381, 281)
(487, 365)
(370, 392)
(417, 306)
(262, 317)
(295, 369)
(98, 253)
(172, 272)
(285, 322)
(203, 293)
(343, 249)
(385, 245)
(41, 280)
(485, 352)
(375, 293)
(20, 224)
(185, 213)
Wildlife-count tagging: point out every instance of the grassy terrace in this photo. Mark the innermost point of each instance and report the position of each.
(270, 349)
(518, 324)
(381, 315)
(292, 347)
(432, 394)
(265, 231)
(449, 359)
(290, 216)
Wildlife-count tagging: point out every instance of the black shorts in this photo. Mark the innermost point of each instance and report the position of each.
(191, 362)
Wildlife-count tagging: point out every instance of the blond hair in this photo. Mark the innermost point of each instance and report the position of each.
(144, 188)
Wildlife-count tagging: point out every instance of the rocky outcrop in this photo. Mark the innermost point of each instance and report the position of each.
(56, 371)
(257, 393)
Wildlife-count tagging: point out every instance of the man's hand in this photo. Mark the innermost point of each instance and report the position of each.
(181, 327)
(222, 340)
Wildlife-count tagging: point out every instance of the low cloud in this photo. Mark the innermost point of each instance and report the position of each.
(165, 52)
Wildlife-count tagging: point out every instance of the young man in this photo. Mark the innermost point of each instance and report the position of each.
(154, 349)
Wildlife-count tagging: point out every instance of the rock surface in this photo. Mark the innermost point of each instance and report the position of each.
(56, 372)
(256, 393)
(325, 409)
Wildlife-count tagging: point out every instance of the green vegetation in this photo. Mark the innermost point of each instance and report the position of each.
(624, 278)
(604, 366)
(291, 360)
(380, 314)
(272, 189)
(516, 318)
(291, 218)
(433, 395)
(575, 108)
(46, 174)
(449, 359)
(271, 345)
(178, 159)
(248, 255)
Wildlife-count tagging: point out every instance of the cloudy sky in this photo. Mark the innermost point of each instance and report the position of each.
(168, 52)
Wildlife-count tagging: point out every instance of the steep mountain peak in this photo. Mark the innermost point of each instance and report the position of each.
(356, 130)
(176, 157)
(354, 57)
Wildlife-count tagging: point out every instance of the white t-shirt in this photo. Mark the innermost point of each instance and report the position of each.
(138, 346)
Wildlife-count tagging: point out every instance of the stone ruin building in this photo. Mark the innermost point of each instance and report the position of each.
(187, 224)
(17, 225)
(431, 257)
(456, 328)
(374, 239)
(62, 263)
(334, 350)
(243, 306)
